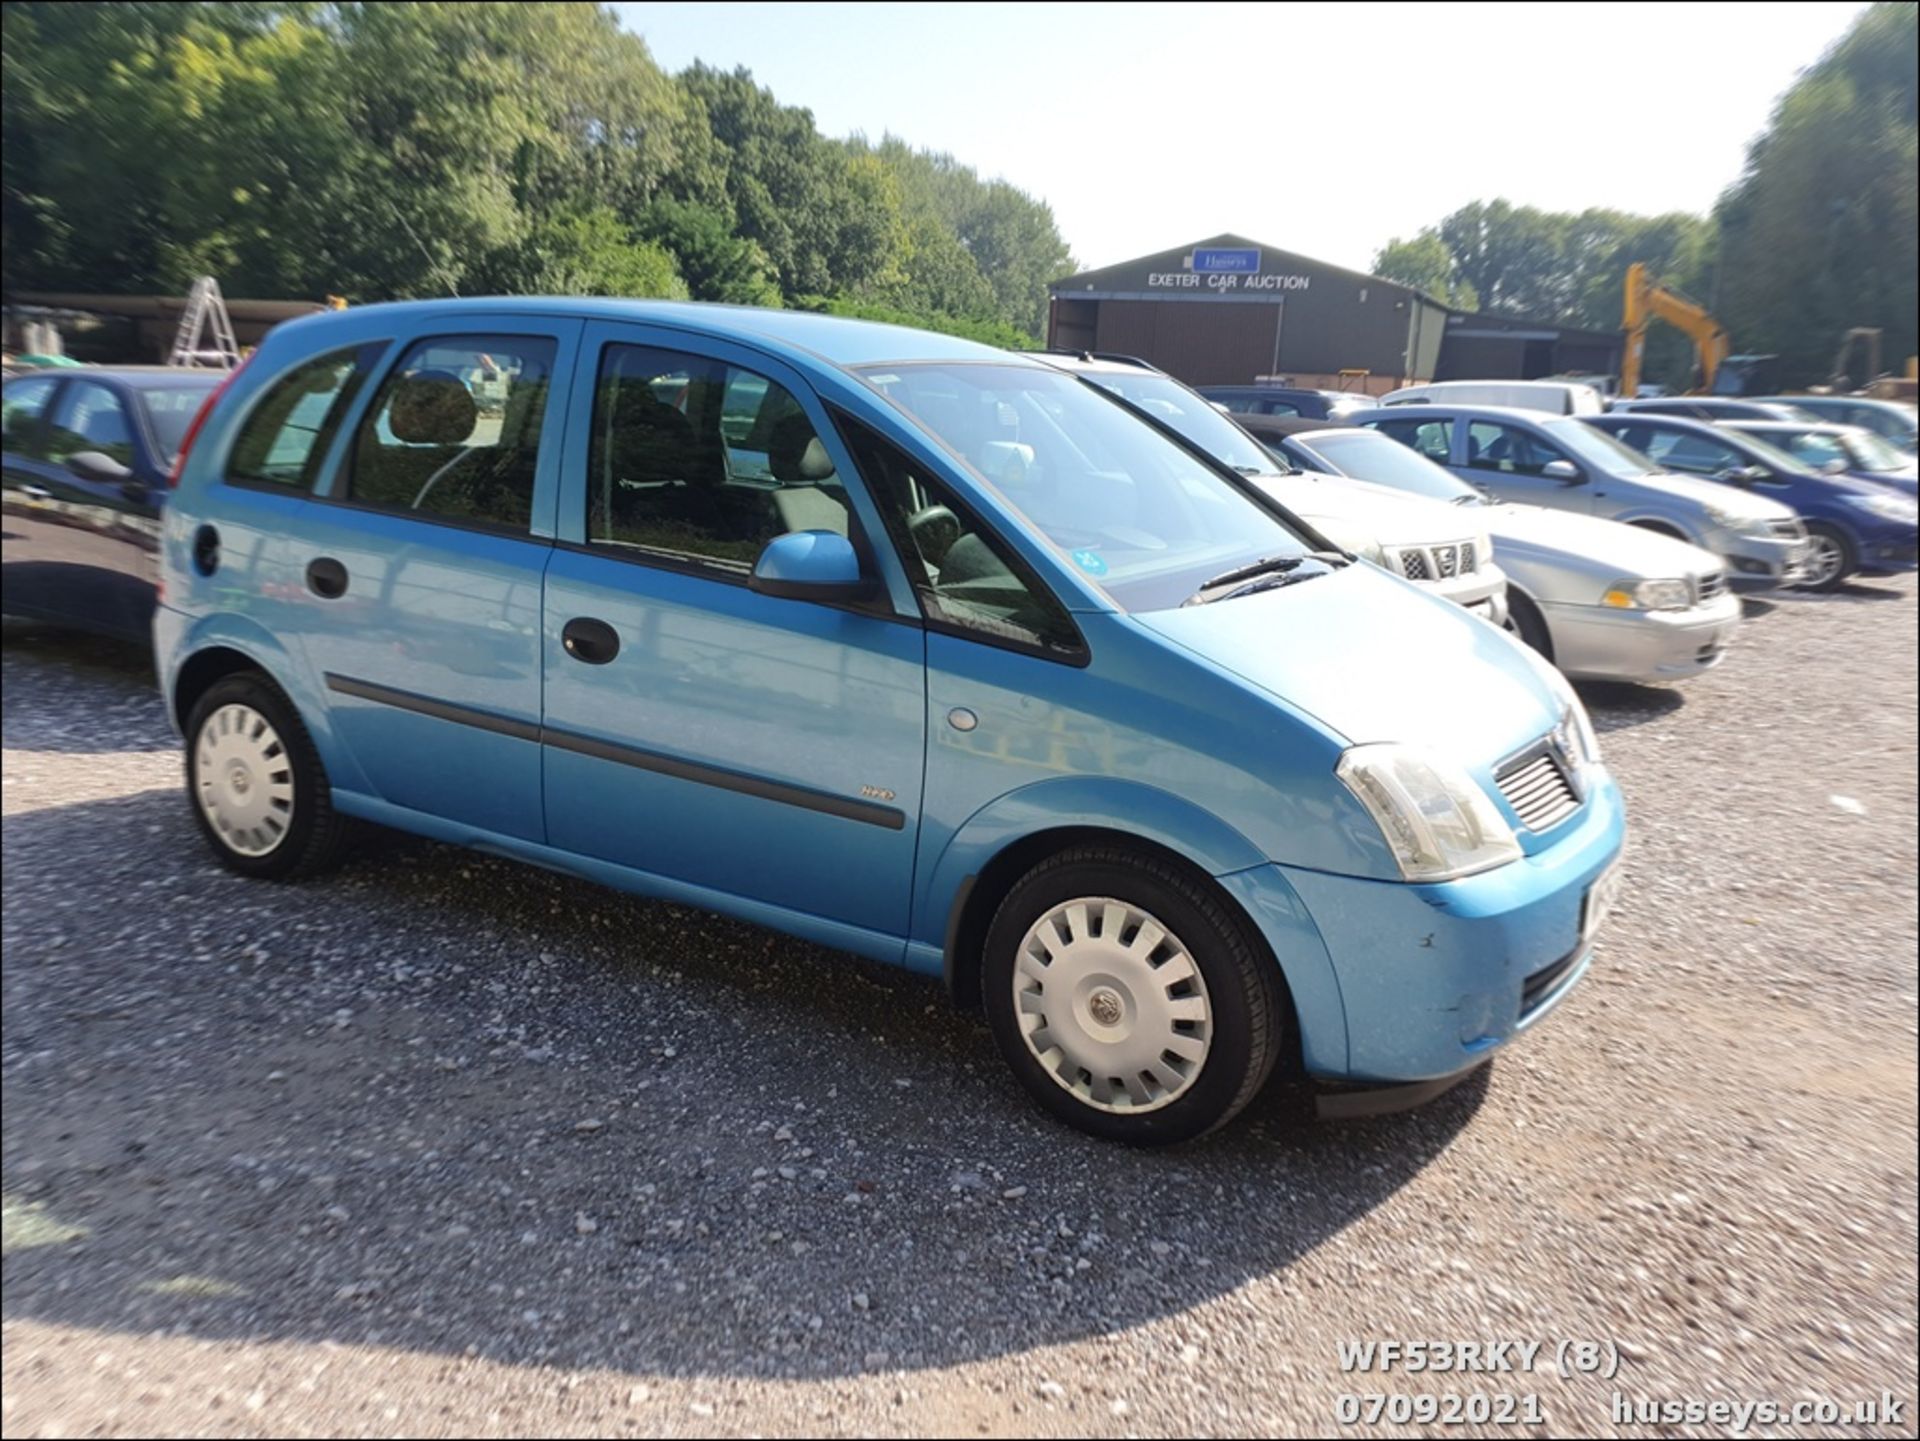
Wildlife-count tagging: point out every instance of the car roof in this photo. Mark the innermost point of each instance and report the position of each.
(1094, 360)
(1441, 410)
(832, 338)
(1284, 424)
(137, 375)
(1798, 426)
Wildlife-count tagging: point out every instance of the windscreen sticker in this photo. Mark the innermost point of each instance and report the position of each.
(1090, 562)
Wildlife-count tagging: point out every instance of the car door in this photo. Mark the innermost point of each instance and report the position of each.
(766, 748)
(416, 569)
(30, 531)
(97, 560)
(1512, 461)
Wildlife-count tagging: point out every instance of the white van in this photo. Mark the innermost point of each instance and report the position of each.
(1557, 397)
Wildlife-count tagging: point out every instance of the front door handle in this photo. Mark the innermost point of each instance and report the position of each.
(36, 492)
(327, 578)
(590, 640)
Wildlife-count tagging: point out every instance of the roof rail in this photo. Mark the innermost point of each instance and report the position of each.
(1111, 356)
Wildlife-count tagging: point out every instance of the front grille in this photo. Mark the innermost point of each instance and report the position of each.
(1539, 790)
(1468, 559)
(1711, 586)
(1413, 564)
(1788, 529)
(1538, 986)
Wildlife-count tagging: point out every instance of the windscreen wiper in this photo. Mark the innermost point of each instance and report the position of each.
(1269, 574)
(1248, 571)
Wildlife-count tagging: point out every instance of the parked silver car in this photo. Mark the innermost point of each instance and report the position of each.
(1599, 599)
(1564, 464)
(1445, 553)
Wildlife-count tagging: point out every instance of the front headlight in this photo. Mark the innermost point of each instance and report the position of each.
(1889, 507)
(1754, 525)
(1438, 822)
(1648, 595)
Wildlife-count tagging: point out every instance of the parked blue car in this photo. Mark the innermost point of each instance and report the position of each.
(1841, 450)
(907, 646)
(87, 454)
(1852, 525)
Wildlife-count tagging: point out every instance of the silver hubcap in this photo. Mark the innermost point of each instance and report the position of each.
(244, 779)
(1823, 559)
(1112, 1005)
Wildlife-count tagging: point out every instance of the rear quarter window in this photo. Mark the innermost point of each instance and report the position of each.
(285, 438)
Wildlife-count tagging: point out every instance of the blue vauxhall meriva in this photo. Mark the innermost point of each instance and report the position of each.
(898, 643)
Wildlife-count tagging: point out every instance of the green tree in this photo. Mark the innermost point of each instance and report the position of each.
(1820, 233)
(1425, 263)
(717, 263)
(590, 253)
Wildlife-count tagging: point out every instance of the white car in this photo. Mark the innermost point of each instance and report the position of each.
(1442, 550)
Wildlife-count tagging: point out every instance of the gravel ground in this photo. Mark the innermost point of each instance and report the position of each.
(446, 1145)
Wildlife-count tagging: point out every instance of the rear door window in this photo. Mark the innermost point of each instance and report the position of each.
(454, 433)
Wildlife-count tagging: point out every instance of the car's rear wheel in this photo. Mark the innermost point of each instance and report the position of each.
(1128, 998)
(1830, 558)
(255, 781)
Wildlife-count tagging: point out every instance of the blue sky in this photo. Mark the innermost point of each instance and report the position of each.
(1324, 129)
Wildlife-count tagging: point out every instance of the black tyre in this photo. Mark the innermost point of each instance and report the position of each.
(255, 783)
(1129, 999)
(1524, 620)
(1831, 557)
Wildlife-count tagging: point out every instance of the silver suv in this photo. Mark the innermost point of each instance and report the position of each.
(1562, 463)
(1443, 550)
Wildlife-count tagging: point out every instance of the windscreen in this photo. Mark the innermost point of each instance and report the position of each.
(1870, 452)
(1598, 449)
(1365, 455)
(1137, 514)
(1171, 403)
(171, 409)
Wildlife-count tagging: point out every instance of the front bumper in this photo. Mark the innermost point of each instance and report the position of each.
(1426, 981)
(1482, 590)
(1594, 642)
(1761, 562)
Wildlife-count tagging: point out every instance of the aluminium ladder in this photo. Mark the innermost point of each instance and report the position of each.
(206, 310)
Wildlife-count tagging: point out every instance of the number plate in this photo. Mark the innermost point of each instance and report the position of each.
(1601, 896)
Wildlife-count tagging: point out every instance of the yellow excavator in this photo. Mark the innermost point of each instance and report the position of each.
(1646, 301)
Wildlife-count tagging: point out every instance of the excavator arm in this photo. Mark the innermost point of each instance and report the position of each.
(1647, 301)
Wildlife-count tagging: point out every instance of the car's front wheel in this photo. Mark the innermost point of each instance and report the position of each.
(1830, 558)
(256, 783)
(1128, 998)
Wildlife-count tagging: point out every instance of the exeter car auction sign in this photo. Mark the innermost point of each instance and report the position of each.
(1223, 270)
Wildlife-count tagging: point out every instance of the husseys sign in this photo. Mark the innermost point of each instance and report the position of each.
(1221, 271)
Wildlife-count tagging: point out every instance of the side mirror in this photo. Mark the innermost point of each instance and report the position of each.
(1836, 466)
(1564, 471)
(810, 565)
(98, 467)
(1742, 475)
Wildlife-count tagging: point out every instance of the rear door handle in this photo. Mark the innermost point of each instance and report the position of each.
(36, 492)
(590, 640)
(327, 578)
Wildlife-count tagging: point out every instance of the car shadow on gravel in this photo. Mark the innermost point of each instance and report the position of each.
(95, 671)
(453, 1104)
(1618, 705)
